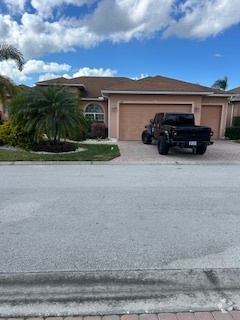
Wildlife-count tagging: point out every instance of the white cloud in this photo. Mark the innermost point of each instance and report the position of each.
(94, 72)
(31, 67)
(218, 55)
(50, 70)
(45, 8)
(143, 75)
(87, 72)
(48, 76)
(115, 20)
(203, 18)
(15, 5)
(129, 19)
(39, 66)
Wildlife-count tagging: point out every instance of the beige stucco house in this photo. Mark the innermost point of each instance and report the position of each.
(126, 105)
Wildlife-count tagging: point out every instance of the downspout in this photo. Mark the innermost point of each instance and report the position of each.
(108, 100)
(232, 112)
(226, 119)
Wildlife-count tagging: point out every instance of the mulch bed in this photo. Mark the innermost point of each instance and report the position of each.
(55, 148)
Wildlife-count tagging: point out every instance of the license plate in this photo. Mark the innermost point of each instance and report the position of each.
(192, 143)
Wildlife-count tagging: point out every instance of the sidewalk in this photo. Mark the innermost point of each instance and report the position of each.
(216, 315)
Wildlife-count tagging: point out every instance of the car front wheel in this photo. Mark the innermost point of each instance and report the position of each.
(163, 146)
(146, 138)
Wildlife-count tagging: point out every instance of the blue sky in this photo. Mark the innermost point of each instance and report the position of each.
(190, 40)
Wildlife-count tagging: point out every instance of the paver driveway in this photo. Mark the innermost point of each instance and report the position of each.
(222, 151)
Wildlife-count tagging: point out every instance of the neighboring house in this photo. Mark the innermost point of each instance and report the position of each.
(3, 109)
(234, 105)
(126, 105)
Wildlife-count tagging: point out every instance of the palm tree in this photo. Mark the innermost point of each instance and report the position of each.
(221, 84)
(7, 87)
(8, 52)
(53, 111)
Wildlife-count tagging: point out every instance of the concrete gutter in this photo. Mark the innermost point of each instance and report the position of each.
(118, 292)
(119, 162)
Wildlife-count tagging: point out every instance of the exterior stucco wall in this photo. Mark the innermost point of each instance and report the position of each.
(196, 103)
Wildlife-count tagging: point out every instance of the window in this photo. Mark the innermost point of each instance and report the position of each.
(94, 111)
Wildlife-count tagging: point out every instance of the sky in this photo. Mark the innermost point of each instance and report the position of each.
(190, 40)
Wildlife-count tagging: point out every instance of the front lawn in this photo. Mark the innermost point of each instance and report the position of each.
(93, 152)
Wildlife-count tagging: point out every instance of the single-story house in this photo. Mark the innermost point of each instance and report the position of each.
(125, 105)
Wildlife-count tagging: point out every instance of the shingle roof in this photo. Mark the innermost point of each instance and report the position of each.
(163, 84)
(56, 80)
(93, 86)
(235, 90)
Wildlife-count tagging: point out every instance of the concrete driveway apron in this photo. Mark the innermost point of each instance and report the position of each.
(222, 151)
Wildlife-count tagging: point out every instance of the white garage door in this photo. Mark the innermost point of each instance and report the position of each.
(133, 118)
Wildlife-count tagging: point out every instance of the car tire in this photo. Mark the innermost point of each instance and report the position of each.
(146, 138)
(201, 150)
(163, 146)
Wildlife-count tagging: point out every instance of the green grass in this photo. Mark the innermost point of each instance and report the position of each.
(94, 152)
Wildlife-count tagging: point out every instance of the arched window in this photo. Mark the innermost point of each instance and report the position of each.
(94, 111)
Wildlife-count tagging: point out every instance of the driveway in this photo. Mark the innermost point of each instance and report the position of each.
(222, 151)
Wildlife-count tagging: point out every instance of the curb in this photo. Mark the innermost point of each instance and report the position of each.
(118, 292)
(115, 163)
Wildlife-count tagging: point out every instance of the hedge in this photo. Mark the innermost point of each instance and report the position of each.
(233, 133)
(236, 121)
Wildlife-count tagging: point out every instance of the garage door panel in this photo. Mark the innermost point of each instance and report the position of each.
(211, 117)
(133, 118)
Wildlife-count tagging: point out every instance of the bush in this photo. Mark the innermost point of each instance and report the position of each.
(98, 130)
(236, 121)
(15, 135)
(233, 133)
(79, 135)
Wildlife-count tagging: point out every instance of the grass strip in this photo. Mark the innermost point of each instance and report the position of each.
(93, 152)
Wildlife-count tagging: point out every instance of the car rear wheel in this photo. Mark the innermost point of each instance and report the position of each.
(163, 146)
(146, 138)
(201, 150)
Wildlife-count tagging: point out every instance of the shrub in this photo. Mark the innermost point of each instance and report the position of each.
(98, 130)
(236, 121)
(233, 133)
(79, 134)
(89, 121)
(15, 135)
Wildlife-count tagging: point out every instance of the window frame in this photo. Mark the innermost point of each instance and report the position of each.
(96, 115)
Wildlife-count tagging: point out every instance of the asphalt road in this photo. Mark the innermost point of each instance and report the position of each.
(117, 217)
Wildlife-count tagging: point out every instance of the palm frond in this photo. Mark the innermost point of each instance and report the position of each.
(8, 52)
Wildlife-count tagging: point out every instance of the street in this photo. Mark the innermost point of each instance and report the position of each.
(119, 217)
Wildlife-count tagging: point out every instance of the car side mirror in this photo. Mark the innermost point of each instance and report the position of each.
(152, 121)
